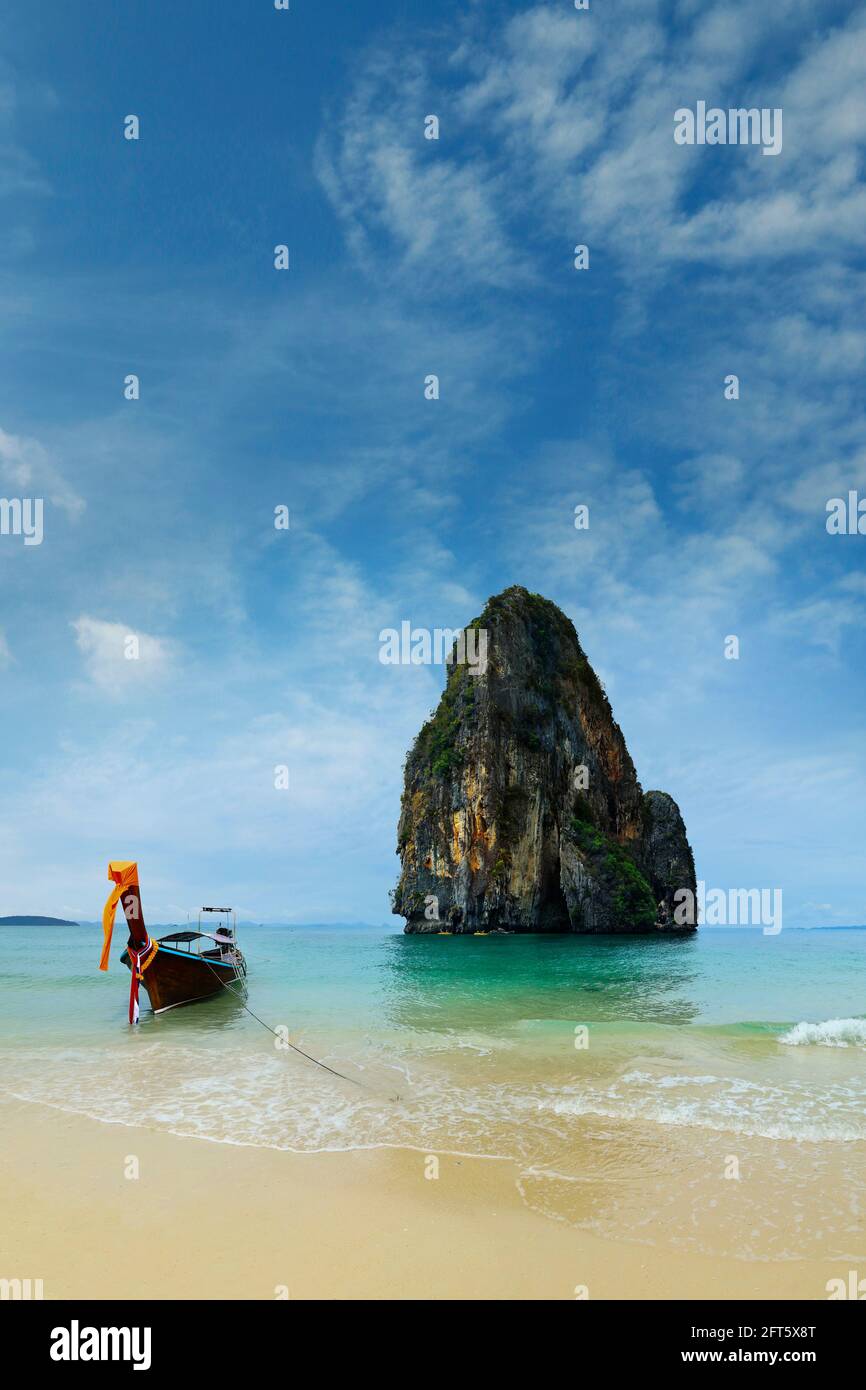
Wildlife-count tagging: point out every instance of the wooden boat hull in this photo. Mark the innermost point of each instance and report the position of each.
(184, 977)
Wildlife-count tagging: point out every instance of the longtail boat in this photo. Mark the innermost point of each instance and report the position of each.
(175, 969)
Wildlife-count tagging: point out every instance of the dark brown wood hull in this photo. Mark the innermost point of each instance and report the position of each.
(183, 977)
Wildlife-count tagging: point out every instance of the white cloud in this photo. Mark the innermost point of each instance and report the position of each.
(118, 658)
(27, 467)
(810, 492)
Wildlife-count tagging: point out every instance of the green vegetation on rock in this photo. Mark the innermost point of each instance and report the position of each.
(436, 745)
(631, 895)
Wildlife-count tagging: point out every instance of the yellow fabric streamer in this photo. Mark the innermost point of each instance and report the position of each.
(123, 874)
(142, 965)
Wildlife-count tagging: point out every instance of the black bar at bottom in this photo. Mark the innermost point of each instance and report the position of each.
(66, 1338)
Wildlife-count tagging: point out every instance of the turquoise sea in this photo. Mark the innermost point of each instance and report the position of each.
(706, 1091)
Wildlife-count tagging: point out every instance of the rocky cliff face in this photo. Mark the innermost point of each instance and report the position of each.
(521, 808)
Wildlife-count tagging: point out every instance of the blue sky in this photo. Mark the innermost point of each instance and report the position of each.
(305, 388)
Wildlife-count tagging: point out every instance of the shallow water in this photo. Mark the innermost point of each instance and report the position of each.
(707, 1091)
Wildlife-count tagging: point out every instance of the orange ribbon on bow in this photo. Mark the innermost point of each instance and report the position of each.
(124, 874)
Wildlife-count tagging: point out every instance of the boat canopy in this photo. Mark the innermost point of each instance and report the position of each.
(221, 937)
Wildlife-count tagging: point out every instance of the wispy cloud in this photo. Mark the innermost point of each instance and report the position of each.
(21, 178)
(580, 134)
(27, 466)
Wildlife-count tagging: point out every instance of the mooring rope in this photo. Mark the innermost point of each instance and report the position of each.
(299, 1050)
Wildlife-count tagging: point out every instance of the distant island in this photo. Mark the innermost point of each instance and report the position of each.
(36, 922)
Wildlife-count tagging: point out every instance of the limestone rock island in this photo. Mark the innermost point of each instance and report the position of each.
(521, 807)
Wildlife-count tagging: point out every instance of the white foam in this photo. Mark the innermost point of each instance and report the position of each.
(834, 1032)
(793, 1111)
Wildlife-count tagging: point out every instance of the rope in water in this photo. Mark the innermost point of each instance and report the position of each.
(310, 1058)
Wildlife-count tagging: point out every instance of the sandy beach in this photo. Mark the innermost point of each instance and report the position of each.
(207, 1220)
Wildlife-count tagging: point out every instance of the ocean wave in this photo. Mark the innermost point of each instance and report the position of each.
(734, 1105)
(254, 1095)
(833, 1032)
